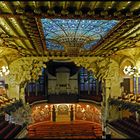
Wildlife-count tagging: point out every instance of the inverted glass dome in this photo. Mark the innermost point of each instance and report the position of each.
(75, 34)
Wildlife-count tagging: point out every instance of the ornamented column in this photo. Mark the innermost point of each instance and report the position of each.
(105, 105)
(22, 96)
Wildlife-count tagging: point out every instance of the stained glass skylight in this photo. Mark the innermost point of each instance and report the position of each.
(68, 34)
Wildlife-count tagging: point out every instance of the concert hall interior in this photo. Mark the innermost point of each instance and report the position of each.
(69, 69)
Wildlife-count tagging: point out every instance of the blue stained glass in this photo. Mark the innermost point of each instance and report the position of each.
(52, 46)
(88, 46)
(91, 32)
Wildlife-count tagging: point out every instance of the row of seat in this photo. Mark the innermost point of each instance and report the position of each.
(132, 119)
(5, 101)
(131, 123)
(9, 130)
(130, 97)
(130, 128)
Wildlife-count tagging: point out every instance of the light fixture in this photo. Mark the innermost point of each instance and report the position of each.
(4, 71)
(129, 70)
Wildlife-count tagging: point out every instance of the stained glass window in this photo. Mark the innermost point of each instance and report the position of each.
(61, 33)
(136, 86)
(87, 81)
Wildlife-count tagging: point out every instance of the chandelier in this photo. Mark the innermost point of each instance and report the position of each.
(129, 70)
(4, 71)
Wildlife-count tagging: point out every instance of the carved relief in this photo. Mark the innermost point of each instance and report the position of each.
(25, 69)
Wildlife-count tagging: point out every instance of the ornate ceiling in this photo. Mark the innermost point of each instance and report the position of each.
(72, 35)
(68, 28)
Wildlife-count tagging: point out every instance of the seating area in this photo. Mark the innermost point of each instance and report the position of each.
(65, 130)
(5, 101)
(129, 126)
(131, 97)
(8, 130)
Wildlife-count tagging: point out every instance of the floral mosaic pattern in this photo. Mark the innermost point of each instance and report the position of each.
(87, 112)
(41, 113)
(82, 111)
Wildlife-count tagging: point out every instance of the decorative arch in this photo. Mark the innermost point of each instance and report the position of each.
(98, 65)
(126, 61)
